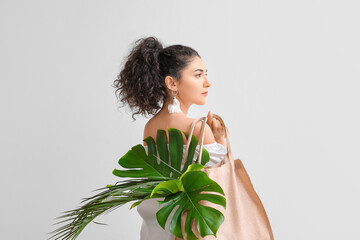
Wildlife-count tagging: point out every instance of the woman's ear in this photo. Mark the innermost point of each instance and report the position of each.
(170, 83)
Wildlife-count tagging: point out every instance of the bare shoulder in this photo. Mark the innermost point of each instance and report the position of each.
(179, 121)
(186, 123)
(208, 134)
(149, 129)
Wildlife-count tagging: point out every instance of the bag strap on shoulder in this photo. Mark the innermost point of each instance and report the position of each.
(202, 133)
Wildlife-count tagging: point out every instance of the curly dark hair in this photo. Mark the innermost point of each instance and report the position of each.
(141, 83)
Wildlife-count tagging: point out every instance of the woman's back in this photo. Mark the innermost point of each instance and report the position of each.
(180, 121)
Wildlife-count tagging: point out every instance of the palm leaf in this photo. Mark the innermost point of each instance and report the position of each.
(112, 197)
(154, 174)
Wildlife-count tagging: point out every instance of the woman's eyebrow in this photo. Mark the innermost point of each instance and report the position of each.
(201, 70)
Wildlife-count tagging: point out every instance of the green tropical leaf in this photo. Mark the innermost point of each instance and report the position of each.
(155, 174)
(192, 167)
(167, 187)
(175, 185)
(175, 149)
(112, 197)
(208, 219)
(140, 165)
(193, 143)
(204, 157)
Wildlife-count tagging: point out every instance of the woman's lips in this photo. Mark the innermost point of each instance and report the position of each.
(205, 93)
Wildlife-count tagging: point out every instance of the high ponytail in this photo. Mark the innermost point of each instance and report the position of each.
(141, 81)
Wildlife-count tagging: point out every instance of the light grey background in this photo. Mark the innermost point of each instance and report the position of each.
(285, 78)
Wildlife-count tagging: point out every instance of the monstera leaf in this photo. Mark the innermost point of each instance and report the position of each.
(186, 192)
(156, 174)
(157, 164)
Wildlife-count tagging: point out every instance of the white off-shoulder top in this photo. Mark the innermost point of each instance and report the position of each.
(150, 228)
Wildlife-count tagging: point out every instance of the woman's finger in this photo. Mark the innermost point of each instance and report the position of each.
(214, 123)
(220, 124)
(210, 118)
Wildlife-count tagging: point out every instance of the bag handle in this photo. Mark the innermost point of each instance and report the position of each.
(202, 132)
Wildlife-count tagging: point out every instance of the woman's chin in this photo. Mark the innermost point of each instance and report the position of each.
(201, 103)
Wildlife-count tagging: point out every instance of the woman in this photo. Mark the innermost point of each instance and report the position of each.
(165, 82)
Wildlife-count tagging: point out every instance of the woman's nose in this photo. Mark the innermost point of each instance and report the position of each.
(207, 82)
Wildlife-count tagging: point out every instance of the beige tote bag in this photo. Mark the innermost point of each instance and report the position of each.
(245, 216)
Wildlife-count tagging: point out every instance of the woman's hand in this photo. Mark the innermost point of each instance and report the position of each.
(217, 128)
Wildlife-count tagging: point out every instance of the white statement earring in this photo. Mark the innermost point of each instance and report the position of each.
(174, 105)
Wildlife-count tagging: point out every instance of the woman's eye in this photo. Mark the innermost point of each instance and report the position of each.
(198, 75)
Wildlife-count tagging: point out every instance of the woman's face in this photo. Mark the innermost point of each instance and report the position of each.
(193, 85)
